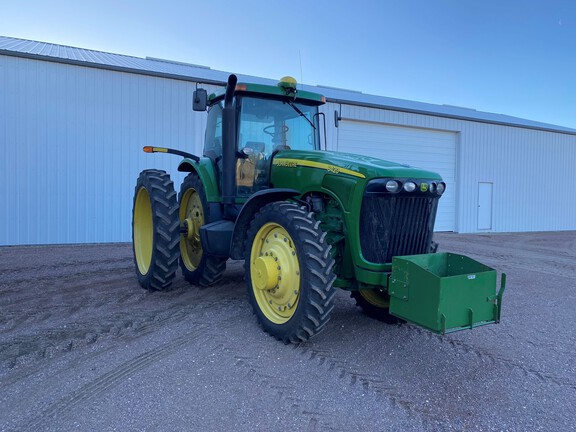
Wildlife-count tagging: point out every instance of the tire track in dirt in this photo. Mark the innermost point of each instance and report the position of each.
(29, 348)
(56, 300)
(15, 285)
(65, 407)
(21, 313)
(315, 421)
(83, 308)
(318, 421)
(497, 360)
(75, 288)
(62, 268)
(251, 371)
(369, 382)
(384, 390)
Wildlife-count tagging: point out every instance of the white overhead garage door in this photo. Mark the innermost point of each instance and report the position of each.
(422, 148)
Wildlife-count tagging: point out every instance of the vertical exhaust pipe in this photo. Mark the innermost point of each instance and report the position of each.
(229, 150)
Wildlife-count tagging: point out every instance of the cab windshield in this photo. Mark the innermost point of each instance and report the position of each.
(267, 125)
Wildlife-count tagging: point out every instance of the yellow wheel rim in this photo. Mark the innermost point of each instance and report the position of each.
(376, 298)
(275, 273)
(192, 218)
(143, 231)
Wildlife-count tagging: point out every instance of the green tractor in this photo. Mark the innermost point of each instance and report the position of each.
(305, 221)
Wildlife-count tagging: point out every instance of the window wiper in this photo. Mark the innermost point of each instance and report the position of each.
(295, 108)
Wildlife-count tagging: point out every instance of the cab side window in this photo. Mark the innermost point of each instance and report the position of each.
(213, 138)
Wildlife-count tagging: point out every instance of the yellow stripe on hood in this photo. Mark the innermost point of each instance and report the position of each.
(293, 163)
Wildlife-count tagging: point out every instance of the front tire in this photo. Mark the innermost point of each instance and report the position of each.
(289, 272)
(197, 267)
(375, 304)
(155, 228)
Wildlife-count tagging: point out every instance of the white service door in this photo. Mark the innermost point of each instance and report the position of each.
(484, 206)
(423, 148)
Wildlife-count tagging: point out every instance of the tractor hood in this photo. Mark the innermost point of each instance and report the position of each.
(364, 167)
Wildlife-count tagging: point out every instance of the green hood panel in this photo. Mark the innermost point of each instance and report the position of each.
(364, 167)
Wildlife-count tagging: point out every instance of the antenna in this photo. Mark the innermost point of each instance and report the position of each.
(301, 77)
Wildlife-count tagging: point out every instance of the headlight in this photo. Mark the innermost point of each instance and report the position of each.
(409, 186)
(432, 188)
(441, 188)
(392, 186)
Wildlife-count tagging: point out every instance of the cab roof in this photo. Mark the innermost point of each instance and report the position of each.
(275, 92)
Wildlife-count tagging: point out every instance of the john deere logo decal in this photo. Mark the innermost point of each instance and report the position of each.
(423, 187)
(293, 163)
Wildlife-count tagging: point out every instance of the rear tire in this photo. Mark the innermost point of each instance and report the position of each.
(288, 268)
(197, 267)
(155, 230)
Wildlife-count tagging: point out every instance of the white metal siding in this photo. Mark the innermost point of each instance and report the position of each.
(71, 140)
(422, 148)
(532, 171)
(532, 174)
(71, 143)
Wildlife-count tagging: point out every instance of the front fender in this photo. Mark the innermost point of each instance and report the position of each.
(254, 203)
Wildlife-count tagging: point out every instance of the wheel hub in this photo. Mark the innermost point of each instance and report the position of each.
(275, 273)
(189, 229)
(191, 219)
(265, 273)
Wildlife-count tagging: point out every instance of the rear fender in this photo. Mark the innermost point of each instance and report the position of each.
(205, 170)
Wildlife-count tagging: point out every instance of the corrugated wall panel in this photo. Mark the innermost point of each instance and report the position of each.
(532, 171)
(71, 147)
(425, 148)
(331, 132)
(71, 139)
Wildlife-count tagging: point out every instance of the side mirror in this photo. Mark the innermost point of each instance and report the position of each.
(200, 100)
(337, 118)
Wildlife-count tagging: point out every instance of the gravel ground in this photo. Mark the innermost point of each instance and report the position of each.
(82, 347)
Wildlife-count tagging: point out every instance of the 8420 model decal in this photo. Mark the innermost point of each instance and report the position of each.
(293, 163)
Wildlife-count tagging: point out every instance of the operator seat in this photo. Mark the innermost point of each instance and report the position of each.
(248, 168)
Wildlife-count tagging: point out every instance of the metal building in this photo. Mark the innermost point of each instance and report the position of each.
(73, 123)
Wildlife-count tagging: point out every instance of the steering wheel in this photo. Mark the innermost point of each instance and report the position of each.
(271, 130)
(251, 153)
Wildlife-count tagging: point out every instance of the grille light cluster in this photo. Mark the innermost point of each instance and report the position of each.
(397, 185)
(409, 186)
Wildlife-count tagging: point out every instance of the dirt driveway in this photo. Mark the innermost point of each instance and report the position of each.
(82, 347)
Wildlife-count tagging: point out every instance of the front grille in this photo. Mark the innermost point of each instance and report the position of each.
(395, 225)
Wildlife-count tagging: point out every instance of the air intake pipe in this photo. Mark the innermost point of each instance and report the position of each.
(229, 151)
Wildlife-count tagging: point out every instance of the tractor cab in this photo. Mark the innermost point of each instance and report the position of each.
(268, 120)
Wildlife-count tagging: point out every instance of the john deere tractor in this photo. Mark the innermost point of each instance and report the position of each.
(305, 221)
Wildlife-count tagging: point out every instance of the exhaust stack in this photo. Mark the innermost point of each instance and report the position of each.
(229, 151)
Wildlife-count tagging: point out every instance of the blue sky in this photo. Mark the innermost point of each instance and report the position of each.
(516, 57)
